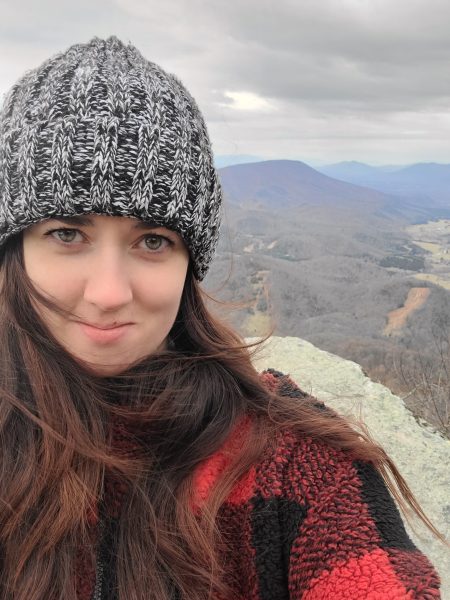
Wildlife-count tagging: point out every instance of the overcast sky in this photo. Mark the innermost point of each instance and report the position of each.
(314, 80)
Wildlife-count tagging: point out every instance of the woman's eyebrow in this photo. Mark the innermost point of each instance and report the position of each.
(74, 220)
(146, 225)
(86, 221)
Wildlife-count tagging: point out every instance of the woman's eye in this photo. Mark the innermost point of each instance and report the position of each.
(63, 235)
(156, 242)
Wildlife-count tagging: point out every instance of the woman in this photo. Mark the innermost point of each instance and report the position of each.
(142, 456)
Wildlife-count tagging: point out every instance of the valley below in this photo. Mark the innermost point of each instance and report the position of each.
(434, 238)
(356, 279)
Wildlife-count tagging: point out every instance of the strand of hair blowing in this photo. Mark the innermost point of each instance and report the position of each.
(55, 449)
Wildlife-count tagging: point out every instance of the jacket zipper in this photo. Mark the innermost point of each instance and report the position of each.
(97, 595)
(99, 567)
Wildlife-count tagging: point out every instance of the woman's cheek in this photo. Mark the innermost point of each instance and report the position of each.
(65, 285)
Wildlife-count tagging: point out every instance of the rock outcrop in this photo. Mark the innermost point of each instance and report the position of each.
(421, 454)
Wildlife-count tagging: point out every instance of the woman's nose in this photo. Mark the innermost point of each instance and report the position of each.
(108, 284)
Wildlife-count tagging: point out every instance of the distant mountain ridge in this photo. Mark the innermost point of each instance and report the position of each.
(422, 181)
(351, 168)
(285, 183)
(225, 160)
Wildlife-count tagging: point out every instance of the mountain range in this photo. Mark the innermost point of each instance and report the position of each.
(426, 182)
(331, 261)
(354, 187)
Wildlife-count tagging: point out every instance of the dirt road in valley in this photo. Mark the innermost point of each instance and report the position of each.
(397, 318)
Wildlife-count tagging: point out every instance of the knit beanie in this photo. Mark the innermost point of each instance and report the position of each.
(100, 129)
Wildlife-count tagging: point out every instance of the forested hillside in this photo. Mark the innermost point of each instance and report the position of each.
(353, 276)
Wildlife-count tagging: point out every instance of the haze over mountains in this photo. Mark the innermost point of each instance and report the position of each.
(424, 181)
(330, 261)
(289, 183)
(234, 159)
(415, 192)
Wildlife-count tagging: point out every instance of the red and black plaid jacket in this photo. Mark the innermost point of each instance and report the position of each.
(305, 523)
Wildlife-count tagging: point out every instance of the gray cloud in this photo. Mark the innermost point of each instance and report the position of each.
(357, 71)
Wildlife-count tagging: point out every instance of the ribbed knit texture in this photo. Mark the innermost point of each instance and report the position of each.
(100, 129)
(305, 523)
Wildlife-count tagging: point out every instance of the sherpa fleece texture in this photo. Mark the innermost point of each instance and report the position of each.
(306, 523)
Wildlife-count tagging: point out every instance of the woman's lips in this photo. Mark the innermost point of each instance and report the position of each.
(105, 336)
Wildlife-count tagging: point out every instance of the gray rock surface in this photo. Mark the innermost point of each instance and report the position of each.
(421, 454)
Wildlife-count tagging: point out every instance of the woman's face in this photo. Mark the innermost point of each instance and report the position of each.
(122, 278)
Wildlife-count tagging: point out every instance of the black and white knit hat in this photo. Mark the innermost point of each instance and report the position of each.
(99, 129)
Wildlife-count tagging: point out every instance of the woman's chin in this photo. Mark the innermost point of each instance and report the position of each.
(99, 364)
(98, 368)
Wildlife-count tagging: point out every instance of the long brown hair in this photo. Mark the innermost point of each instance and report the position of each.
(55, 449)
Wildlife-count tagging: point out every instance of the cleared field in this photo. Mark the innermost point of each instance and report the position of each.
(429, 246)
(259, 322)
(397, 318)
(431, 228)
(434, 237)
(436, 279)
